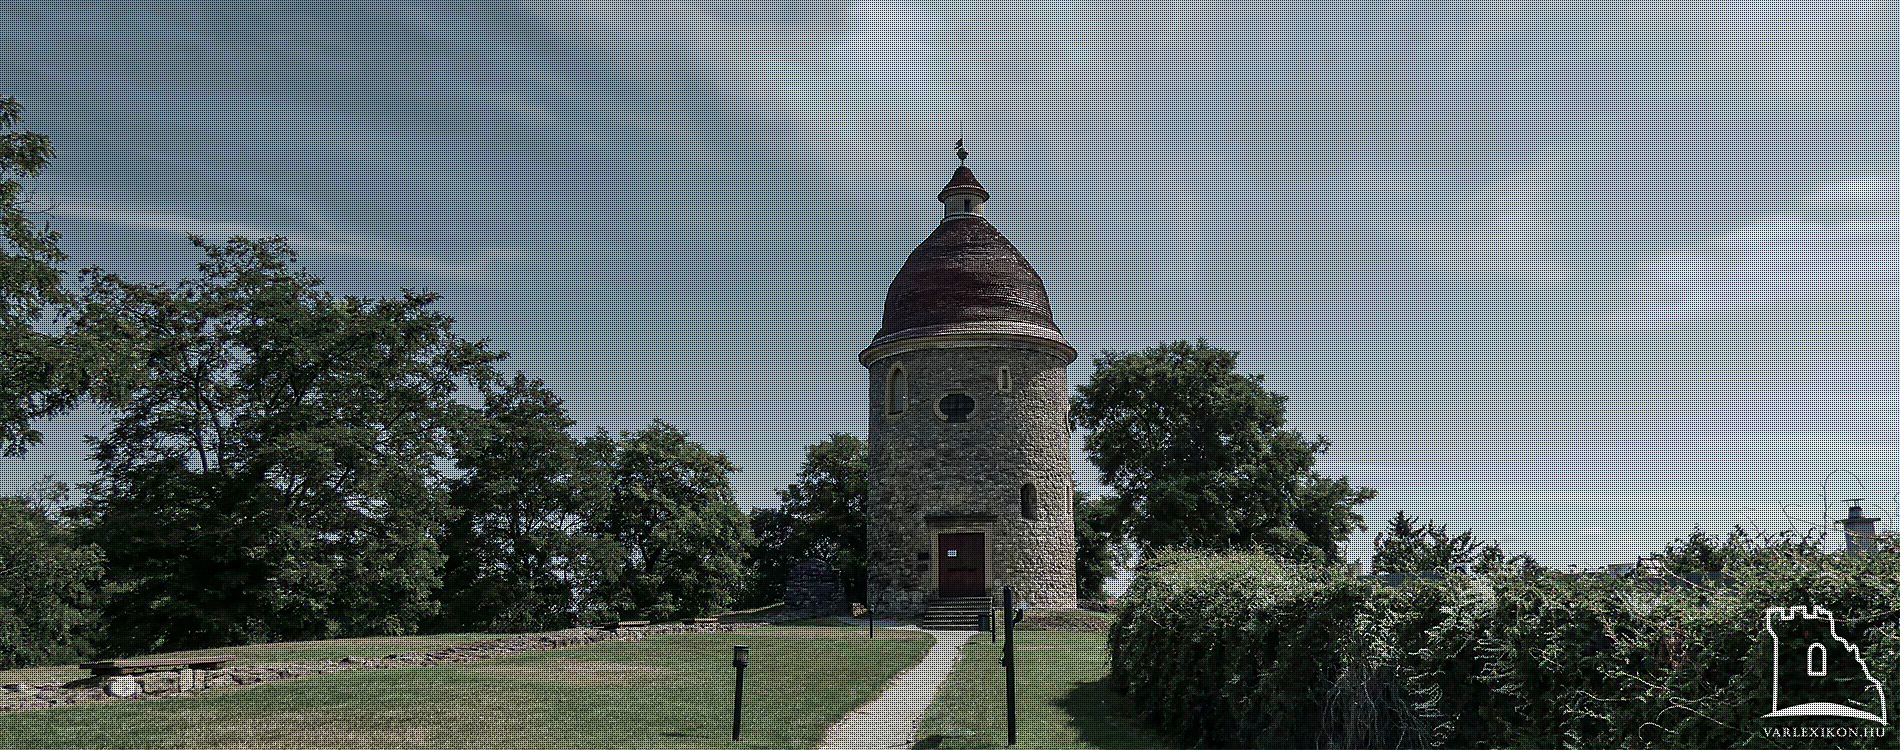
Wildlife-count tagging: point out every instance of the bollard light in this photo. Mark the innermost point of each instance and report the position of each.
(741, 656)
(1012, 613)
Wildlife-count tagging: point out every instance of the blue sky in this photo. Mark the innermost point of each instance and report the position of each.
(1576, 276)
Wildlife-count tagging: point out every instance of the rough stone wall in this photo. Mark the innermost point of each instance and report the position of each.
(813, 589)
(930, 476)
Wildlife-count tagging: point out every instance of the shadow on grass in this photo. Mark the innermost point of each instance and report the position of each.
(929, 743)
(1104, 718)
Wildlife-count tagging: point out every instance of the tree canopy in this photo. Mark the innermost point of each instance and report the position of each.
(1099, 539)
(668, 505)
(820, 516)
(1200, 456)
(516, 545)
(277, 462)
(31, 360)
(48, 596)
(1407, 546)
(273, 473)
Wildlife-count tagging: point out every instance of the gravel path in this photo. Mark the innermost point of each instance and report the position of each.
(890, 721)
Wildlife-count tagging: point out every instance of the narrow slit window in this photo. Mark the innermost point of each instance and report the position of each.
(898, 395)
(966, 205)
(1029, 502)
(1002, 379)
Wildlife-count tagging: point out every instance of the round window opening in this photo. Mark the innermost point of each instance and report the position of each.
(956, 407)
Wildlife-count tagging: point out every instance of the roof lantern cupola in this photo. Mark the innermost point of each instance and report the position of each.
(963, 196)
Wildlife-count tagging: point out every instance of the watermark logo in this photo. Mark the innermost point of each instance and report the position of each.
(1817, 672)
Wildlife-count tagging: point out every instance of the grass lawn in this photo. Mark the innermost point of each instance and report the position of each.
(1066, 620)
(1062, 698)
(667, 691)
(296, 652)
(746, 615)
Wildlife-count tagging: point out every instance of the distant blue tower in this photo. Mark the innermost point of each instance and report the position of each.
(1860, 531)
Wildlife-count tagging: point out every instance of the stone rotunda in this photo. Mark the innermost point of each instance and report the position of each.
(969, 424)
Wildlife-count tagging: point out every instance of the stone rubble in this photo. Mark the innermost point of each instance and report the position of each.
(814, 589)
(183, 682)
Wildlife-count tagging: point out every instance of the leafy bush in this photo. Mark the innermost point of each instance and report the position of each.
(48, 592)
(1232, 649)
(1248, 650)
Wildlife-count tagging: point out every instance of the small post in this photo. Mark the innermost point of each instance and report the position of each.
(741, 655)
(870, 618)
(1012, 614)
(993, 626)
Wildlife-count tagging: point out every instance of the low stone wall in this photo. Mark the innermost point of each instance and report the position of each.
(182, 682)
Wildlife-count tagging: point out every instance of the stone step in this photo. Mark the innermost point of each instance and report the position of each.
(971, 603)
(978, 607)
(978, 612)
(960, 613)
(964, 619)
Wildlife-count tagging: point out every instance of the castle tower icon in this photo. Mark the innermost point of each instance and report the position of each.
(1816, 671)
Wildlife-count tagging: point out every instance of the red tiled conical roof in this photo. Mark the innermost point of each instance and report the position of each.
(966, 278)
(963, 178)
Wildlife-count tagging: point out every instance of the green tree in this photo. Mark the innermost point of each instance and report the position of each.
(1740, 549)
(516, 539)
(31, 360)
(820, 516)
(48, 591)
(1408, 547)
(273, 475)
(668, 506)
(1100, 533)
(1200, 455)
(769, 565)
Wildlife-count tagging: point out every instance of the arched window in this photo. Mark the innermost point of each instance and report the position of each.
(897, 395)
(1002, 379)
(1029, 502)
(1816, 648)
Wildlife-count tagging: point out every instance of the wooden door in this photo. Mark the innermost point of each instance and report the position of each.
(959, 565)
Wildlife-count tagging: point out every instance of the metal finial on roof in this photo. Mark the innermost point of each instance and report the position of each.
(962, 153)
